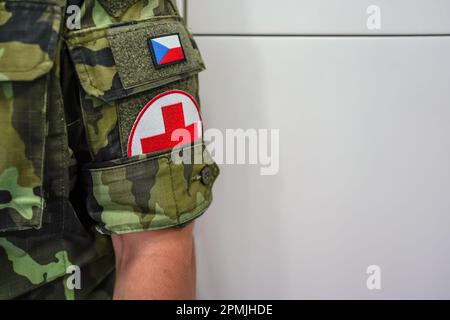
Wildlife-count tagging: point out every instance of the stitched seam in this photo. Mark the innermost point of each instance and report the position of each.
(87, 73)
(113, 91)
(74, 37)
(40, 63)
(118, 166)
(118, 90)
(73, 123)
(119, 121)
(85, 127)
(199, 210)
(119, 33)
(53, 17)
(112, 168)
(45, 134)
(173, 192)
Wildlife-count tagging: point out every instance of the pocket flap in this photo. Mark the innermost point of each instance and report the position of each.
(29, 33)
(27, 41)
(151, 193)
(126, 59)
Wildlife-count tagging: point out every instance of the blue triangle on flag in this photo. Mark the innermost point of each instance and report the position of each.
(159, 50)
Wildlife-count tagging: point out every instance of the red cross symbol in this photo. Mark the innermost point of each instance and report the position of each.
(173, 119)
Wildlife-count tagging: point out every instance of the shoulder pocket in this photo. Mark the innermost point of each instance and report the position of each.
(124, 66)
(28, 37)
(122, 60)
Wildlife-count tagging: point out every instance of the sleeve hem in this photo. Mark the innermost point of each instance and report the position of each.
(182, 220)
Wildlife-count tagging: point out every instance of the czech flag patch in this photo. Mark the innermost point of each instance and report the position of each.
(167, 50)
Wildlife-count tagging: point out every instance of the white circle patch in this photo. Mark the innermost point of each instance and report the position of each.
(168, 120)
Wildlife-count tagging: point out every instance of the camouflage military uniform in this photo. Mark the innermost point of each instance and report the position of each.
(68, 102)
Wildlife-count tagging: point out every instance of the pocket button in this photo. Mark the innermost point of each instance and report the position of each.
(206, 175)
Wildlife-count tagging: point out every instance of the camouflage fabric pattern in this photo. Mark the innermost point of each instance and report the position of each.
(151, 193)
(21, 160)
(63, 169)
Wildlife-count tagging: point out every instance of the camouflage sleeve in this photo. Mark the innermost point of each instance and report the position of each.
(138, 67)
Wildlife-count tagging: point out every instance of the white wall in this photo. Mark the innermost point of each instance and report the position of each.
(364, 176)
(318, 17)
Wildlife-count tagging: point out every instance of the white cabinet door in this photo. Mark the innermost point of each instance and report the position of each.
(319, 16)
(364, 168)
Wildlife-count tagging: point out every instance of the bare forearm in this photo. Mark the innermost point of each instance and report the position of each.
(155, 265)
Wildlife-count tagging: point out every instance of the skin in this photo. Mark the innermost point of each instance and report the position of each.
(156, 265)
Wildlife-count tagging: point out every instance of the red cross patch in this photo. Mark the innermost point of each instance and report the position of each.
(160, 118)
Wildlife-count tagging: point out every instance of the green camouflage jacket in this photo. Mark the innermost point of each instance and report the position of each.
(88, 103)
